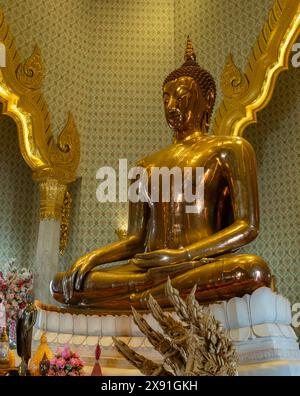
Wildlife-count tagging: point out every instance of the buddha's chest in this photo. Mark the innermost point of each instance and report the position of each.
(181, 157)
(188, 177)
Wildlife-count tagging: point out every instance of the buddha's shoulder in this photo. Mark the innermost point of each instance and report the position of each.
(224, 142)
(153, 157)
(207, 143)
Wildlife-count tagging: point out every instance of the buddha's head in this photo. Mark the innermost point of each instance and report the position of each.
(189, 95)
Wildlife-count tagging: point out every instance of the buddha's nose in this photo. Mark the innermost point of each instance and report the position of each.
(172, 106)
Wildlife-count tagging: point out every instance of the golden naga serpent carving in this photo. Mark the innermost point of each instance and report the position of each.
(245, 94)
(193, 344)
(20, 93)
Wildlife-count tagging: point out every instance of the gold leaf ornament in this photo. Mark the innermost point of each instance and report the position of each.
(65, 222)
(31, 72)
(233, 81)
(67, 148)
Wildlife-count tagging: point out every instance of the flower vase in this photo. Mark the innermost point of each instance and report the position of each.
(12, 334)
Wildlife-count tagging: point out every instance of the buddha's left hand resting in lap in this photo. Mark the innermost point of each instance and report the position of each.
(164, 239)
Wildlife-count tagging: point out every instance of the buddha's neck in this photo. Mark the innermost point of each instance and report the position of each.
(189, 134)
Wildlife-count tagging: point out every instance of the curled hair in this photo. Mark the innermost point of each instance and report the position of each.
(202, 77)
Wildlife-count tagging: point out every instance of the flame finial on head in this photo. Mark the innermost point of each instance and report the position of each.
(189, 51)
(191, 68)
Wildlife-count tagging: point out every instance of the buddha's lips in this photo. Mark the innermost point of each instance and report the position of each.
(175, 117)
(174, 114)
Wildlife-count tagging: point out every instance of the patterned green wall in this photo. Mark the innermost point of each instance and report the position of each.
(105, 61)
(18, 201)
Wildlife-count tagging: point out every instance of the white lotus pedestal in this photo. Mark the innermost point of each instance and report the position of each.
(260, 326)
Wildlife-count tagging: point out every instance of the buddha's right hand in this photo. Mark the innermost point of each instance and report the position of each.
(73, 278)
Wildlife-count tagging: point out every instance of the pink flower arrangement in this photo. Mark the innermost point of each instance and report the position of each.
(66, 363)
(14, 286)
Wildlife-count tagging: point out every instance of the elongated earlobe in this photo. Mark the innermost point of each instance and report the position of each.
(205, 121)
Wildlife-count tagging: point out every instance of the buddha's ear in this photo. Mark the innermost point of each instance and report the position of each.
(210, 98)
(210, 101)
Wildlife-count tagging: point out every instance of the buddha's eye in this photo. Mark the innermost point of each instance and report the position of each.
(181, 97)
(166, 99)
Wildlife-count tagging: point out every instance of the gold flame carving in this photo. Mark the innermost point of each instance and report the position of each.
(245, 94)
(54, 162)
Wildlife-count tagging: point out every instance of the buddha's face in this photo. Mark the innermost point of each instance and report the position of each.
(184, 104)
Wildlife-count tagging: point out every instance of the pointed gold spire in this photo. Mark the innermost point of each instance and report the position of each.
(189, 51)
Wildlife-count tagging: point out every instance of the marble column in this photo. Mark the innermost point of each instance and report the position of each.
(52, 194)
(46, 259)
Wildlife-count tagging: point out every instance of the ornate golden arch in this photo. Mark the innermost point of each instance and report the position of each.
(245, 94)
(54, 162)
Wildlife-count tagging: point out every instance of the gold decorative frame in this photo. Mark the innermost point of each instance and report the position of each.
(245, 94)
(54, 162)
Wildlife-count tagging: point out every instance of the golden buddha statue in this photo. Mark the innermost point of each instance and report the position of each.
(163, 239)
